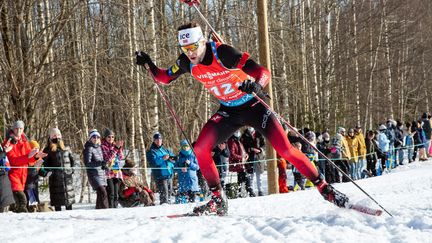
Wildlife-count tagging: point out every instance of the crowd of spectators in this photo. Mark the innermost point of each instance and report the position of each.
(176, 175)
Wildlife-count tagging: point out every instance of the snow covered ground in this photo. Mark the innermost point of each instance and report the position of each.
(294, 217)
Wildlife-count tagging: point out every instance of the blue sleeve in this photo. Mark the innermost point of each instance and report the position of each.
(193, 164)
(155, 159)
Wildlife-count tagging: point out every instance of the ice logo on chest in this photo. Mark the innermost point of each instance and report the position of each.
(211, 76)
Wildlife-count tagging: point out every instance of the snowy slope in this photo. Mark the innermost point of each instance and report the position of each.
(294, 217)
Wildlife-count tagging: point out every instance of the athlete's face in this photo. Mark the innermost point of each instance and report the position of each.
(195, 52)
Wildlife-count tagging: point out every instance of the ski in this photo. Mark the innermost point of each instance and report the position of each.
(364, 209)
(181, 215)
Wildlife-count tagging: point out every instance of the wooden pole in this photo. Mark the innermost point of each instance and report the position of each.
(264, 57)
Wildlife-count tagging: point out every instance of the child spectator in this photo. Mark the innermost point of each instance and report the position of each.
(132, 191)
(186, 167)
(299, 180)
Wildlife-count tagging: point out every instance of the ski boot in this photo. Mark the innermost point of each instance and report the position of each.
(218, 205)
(330, 194)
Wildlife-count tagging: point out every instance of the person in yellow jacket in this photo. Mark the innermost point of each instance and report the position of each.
(353, 144)
(361, 168)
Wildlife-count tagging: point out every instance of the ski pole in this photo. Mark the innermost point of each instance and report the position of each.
(215, 34)
(317, 150)
(171, 110)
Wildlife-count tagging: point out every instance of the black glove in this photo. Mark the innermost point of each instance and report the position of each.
(249, 86)
(142, 58)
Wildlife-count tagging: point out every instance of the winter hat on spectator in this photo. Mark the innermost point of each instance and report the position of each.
(184, 142)
(382, 127)
(341, 129)
(310, 136)
(157, 135)
(18, 124)
(129, 164)
(326, 136)
(54, 131)
(94, 132)
(107, 133)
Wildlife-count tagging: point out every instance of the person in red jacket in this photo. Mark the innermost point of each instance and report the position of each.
(232, 77)
(20, 155)
(237, 159)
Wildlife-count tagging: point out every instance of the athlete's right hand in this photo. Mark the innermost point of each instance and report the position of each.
(142, 58)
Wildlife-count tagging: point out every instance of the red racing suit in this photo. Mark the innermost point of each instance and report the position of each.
(221, 71)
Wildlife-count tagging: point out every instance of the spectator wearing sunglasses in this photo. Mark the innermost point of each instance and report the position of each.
(112, 154)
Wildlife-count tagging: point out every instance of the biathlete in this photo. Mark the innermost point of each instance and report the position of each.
(231, 76)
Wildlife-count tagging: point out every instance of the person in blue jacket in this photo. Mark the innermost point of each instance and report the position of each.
(383, 145)
(162, 162)
(186, 168)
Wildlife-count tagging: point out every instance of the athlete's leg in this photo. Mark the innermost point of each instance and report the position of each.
(217, 129)
(267, 124)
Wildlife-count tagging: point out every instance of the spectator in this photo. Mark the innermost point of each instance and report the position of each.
(390, 133)
(383, 145)
(32, 181)
(60, 162)
(299, 180)
(310, 153)
(162, 160)
(20, 156)
(420, 141)
(426, 126)
(6, 195)
(220, 156)
(254, 144)
(95, 164)
(186, 167)
(372, 153)
(399, 136)
(409, 142)
(282, 167)
(341, 154)
(323, 146)
(112, 154)
(132, 191)
(361, 166)
(238, 157)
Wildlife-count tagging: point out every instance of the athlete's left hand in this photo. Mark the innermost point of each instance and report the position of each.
(249, 86)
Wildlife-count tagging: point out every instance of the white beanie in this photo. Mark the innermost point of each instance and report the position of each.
(54, 131)
(18, 124)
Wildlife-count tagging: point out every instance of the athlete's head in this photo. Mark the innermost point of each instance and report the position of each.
(192, 42)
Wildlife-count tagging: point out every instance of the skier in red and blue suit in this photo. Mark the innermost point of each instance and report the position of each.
(231, 76)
